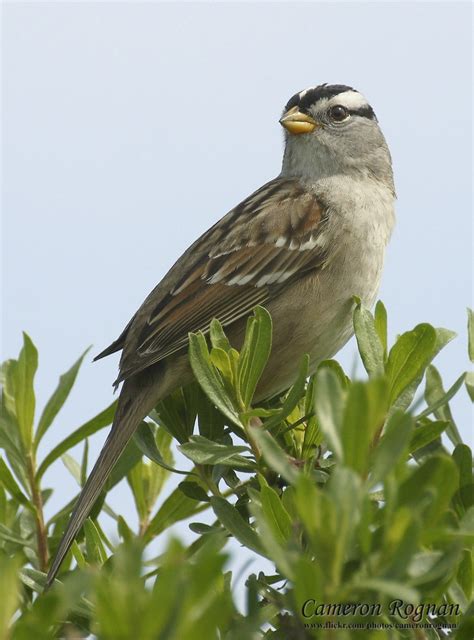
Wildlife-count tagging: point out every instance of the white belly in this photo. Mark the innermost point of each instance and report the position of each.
(315, 316)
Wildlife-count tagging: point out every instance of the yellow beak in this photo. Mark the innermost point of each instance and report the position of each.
(296, 122)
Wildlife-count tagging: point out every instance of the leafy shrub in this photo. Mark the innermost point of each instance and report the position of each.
(359, 499)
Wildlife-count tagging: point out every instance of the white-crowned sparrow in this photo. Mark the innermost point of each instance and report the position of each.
(302, 245)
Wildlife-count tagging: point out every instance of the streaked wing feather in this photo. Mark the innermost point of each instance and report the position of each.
(195, 314)
(170, 334)
(274, 235)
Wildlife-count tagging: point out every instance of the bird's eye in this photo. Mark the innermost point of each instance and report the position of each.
(338, 113)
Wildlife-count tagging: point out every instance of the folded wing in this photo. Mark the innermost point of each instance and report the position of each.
(276, 234)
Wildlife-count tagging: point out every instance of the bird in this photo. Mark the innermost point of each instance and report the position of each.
(302, 246)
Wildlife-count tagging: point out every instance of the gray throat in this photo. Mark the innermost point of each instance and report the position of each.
(310, 163)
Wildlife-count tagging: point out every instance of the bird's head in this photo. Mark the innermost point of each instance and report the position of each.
(331, 129)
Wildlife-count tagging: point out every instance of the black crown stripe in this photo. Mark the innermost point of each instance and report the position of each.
(326, 91)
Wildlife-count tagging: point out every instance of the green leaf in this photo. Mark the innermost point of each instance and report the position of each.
(364, 415)
(380, 320)
(276, 515)
(7, 383)
(124, 530)
(177, 412)
(312, 433)
(8, 535)
(432, 484)
(73, 467)
(155, 475)
(335, 367)
(10, 442)
(270, 536)
(406, 397)
(136, 481)
(203, 451)
(255, 353)
(208, 377)
(318, 513)
(78, 555)
(175, 508)
(85, 458)
(437, 400)
(201, 528)
(218, 338)
(426, 433)
(470, 384)
(470, 333)
(145, 440)
(392, 446)
(370, 347)
(409, 357)
(274, 455)
(4, 505)
(434, 391)
(309, 584)
(462, 456)
(9, 593)
(344, 489)
(438, 568)
(23, 374)
(34, 579)
(465, 630)
(221, 361)
(211, 421)
(389, 588)
(100, 421)
(194, 491)
(231, 519)
(57, 400)
(329, 402)
(465, 573)
(10, 484)
(443, 337)
(96, 553)
(293, 396)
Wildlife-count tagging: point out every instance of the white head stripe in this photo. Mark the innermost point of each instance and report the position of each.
(350, 99)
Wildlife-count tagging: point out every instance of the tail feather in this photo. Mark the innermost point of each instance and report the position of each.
(130, 412)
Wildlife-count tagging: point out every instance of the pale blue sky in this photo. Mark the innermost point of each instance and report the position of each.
(128, 129)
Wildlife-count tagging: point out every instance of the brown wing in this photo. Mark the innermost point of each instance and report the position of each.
(275, 235)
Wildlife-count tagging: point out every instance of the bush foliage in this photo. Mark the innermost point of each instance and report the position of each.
(359, 492)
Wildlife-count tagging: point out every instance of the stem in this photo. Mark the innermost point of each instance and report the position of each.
(253, 422)
(376, 438)
(297, 423)
(41, 537)
(210, 484)
(143, 524)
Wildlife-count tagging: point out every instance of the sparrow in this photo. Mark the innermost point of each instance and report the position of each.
(303, 245)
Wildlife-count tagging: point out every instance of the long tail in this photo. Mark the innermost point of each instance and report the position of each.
(135, 403)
